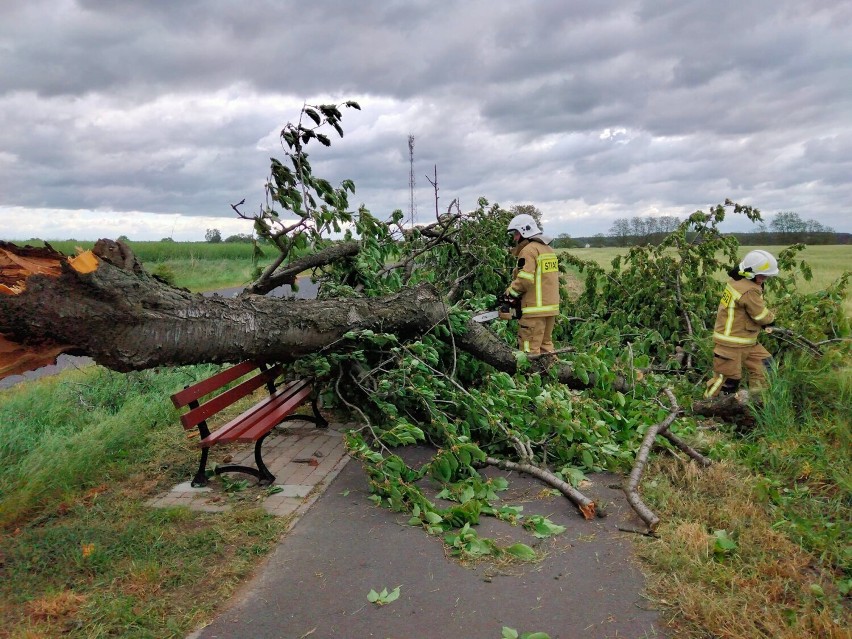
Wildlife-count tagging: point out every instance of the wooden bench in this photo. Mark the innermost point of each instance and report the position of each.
(252, 425)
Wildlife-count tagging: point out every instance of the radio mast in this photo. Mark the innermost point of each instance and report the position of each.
(411, 179)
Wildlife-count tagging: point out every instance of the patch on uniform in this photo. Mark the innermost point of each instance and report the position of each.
(549, 264)
(727, 296)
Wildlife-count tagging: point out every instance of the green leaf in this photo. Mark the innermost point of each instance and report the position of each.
(723, 545)
(499, 483)
(393, 595)
(432, 517)
(542, 527)
(372, 596)
(522, 551)
(313, 115)
(509, 633)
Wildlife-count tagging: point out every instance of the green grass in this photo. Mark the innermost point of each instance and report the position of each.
(47, 426)
(803, 448)
(82, 553)
(199, 275)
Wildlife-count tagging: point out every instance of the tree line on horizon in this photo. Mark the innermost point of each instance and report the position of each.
(786, 227)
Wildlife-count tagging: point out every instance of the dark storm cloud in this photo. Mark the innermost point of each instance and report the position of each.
(590, 110)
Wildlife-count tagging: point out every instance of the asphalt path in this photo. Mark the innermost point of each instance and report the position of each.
(315, 584)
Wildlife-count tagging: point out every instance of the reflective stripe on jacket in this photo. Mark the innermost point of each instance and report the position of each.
(742, 313)
(536, 278)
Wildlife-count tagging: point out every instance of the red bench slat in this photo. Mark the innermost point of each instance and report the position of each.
(207, 386)
(256, 422)
(211, 407)
(247, 418)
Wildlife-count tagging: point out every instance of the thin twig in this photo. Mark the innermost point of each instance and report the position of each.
(686, 448)
(366, 419)
(567, 349)
(644, 533)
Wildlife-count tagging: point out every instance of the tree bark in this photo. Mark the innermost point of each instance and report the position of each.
(126, 320)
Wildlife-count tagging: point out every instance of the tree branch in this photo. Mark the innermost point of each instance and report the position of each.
(631, 487)
(586, 505)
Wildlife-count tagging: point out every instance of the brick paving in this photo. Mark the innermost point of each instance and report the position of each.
(303, 458)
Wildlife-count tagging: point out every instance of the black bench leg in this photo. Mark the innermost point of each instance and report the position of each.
(318, 419)
(200, 478)
(264, 477)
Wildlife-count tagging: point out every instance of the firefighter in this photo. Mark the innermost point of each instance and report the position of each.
(742, 314)
(535, 281)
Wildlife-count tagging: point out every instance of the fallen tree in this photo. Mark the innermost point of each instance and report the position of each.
(126, 320)
(391, 341)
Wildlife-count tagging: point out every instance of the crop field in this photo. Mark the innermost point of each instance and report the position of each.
(163, 251)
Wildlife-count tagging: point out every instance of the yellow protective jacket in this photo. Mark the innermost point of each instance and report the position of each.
(536, 278)
(742, 313)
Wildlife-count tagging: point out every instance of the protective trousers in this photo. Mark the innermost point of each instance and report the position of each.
(728, 362)
(535, 334)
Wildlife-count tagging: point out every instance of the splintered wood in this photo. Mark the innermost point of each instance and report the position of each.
(17, 265)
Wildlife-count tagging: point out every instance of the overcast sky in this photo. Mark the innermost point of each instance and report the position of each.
(149, 118)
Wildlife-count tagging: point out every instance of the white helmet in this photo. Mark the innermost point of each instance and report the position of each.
(758, 263)
(525, 225)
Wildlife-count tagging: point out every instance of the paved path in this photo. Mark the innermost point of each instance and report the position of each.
(315, 584)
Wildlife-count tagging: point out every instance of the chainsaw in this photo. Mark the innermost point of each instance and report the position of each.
(510, 308)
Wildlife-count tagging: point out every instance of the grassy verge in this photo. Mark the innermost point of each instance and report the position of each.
(759, 544)
(199, 275)
(82, 555)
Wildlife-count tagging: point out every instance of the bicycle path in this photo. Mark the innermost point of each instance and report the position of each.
(316, 582)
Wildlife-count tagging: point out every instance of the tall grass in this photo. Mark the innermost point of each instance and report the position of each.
(205, 275)
(82, 554)
(803, 447)
(70, 432)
